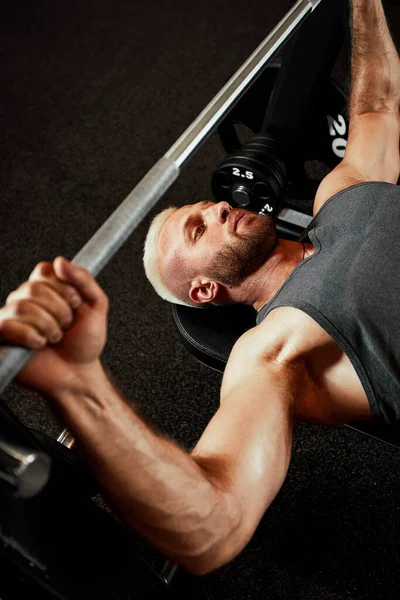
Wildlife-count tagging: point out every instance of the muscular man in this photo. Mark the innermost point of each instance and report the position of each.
(326, 348)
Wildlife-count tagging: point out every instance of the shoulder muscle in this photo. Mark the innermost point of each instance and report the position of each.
(261, 352)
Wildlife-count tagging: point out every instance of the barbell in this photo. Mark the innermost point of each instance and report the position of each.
(104, 244)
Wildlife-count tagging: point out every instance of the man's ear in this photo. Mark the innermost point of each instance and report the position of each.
(203, 291)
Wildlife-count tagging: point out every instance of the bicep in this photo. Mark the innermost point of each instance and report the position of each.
(249, 442)
(372, 154)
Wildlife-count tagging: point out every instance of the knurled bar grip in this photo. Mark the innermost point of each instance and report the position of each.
(104, 244)
(110, 237)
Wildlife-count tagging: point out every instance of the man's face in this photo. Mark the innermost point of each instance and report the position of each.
(216, 242)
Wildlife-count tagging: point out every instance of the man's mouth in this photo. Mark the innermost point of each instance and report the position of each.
(238, 218)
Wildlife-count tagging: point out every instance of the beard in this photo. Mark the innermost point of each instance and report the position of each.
(235, 262)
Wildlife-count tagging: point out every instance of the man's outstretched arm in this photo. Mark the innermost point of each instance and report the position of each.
(199, 510)
(372, 152)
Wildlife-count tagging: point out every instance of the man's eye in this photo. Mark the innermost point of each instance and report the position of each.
(198, 231)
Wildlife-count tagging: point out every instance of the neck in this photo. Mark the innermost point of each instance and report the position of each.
(261, 286)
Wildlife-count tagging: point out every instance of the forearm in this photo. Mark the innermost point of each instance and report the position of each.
(158, 489)
(375, 68)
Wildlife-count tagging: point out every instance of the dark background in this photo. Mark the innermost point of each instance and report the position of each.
(92, 94)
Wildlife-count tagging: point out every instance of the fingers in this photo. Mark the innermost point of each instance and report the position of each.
(83, 281)
(42, 307)
(56, 302)
(45, 272)
(18, 333)
(23, 317)
(39, 310)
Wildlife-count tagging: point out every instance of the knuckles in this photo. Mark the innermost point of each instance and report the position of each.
(22, 306)
(33, 287)
(43, 269)
(30, 288)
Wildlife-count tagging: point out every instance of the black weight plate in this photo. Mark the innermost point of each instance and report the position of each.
(324, 139)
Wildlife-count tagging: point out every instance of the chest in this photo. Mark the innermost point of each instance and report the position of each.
(335, 394)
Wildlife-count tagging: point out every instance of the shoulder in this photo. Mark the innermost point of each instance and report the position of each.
(271, 355)
(285, 336)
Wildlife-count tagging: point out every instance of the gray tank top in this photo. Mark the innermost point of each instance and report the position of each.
(351, 286)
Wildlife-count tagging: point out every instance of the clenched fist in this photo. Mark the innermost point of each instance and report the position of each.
(61, 312)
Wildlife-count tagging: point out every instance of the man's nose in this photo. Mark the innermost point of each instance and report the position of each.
(219, 212)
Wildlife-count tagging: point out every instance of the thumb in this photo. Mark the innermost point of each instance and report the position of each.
(80, 278)
(64, 269)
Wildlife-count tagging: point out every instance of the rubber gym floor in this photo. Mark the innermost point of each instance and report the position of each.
(92, 94)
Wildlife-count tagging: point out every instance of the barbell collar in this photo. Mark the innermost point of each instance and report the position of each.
(26, 472)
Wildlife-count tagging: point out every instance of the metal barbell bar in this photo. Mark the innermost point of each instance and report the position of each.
(132, 211)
